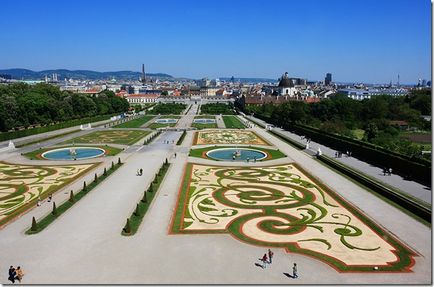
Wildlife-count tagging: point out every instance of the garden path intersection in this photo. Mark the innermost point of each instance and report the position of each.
(206, 211)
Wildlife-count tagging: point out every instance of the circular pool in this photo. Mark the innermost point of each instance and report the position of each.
(74, 153)
(237, 154)
(166, 121)
(204, 121)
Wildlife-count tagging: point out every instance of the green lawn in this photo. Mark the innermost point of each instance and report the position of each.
(137, 123)
(272, 154)
(162, 125)
(359, 133)
(36, 154)
(125, 137)
(204, 126)
(232, 122)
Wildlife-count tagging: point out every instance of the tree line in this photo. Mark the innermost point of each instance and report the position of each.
(23, 105)
(374, 118)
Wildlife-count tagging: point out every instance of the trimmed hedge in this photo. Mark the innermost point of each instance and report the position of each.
(38, 226)
(415, 168)
(28, 132)
(421, 210)
(181, 138)
(136, 218)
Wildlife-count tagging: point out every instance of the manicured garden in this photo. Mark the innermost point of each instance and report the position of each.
(37, 154)
(217, 109)
(233, 122)
(271, 153)
(168, 109)
(208, 125)
(22, 185)
(124, 137)
(136, 218)
(136, 123)
(284, 207)
(156, 124)
(228, 137)
(38, 226)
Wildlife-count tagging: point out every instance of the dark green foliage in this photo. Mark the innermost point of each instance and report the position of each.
(23, 105)
(34, 225)
(84, 185)
(144, 199)
(166, 162)
(181, 139)
(105, 171)
(71, 197)
(151, 188)
(166, 109)
(119, 160)
(96, 178)
(217, 109)
(137, 211)
(54, 212)
(127, 228)
(113, 165)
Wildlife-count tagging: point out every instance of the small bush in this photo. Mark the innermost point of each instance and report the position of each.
(34, 225)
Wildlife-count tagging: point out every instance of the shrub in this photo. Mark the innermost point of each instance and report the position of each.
(127, 228)
(71, 197)
(54, 212)
(34, 225)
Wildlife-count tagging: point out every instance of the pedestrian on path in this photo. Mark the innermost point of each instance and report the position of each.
(270, 256)
(264, 261)
(390, 171)
(12, 274)
(20, 274)
(39, 201)
(175, 154)
(294, 271)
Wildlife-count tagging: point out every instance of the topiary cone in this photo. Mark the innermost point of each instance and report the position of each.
(71, 197)
(137, 211)
(144, 199)
(96, 178)
(119, 160)
(54, 212)
(105, 171)
(34, 225)
(127, 228)
(84, 185)
(113, 165)
(151, 188)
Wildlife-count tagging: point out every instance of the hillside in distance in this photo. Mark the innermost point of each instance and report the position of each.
(78, 74)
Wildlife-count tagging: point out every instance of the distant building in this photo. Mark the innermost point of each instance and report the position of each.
(328, 79)
(142, 98)
(286, 86)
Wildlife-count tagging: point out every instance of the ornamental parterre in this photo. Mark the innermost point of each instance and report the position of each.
(281, 206)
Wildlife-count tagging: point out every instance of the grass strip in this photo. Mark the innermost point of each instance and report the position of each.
(136, 123)
(136, 218)
(405, 202)
(181, 138)
(232, 122)
(49, 218)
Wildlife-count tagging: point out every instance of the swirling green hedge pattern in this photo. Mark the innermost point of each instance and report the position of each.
(22, 185)
(280, 206)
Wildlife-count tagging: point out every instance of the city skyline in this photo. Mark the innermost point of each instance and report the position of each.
(356, 41)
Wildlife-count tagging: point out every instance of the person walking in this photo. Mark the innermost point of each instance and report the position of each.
(294, 271)
(12, 274)
(39, 201)
(264, 261)
(20, 274)
(270, 256)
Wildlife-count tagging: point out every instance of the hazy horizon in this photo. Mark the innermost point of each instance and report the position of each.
(356, 41)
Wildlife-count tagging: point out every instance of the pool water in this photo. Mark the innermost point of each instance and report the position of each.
(204, 121)
(68, 153)
(166, 121)
(227, 154)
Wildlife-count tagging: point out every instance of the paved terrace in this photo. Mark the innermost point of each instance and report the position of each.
(84, 245)
(411, 187)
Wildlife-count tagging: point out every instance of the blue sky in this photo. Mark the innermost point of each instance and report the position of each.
(367, 41)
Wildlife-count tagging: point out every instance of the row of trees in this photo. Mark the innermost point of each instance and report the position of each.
(23, 105)
(169, 108)
(217, 109)
(345, 116)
